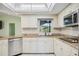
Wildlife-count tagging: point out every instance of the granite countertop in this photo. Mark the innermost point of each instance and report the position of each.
(62, 37)
(74, 45)
(9, 37)
(65, 39)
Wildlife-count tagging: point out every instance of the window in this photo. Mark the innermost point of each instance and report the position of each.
(71, 19)
(12, 29)
(75, 20)
(1, 24)
(45, 25)
(68, 20)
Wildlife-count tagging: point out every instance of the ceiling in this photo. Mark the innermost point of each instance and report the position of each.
(35, 8)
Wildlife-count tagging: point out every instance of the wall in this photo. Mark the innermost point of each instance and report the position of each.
(31, 21)
(10, 19)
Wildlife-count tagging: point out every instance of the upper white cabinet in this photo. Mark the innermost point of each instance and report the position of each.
(28, 22)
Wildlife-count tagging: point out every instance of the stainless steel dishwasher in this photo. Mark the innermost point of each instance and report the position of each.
(15, 46)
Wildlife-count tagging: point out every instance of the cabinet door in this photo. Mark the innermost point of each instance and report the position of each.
(26, 45)
(45, 45)
(62, 48)
(66, 49)
(37, 45)
(33, 45)
(4, 48)
(0, 48)
(58, 50)
(29, 21)
(74, 52)
(30, 45)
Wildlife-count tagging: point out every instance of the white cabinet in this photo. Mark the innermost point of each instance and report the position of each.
(30, 45)
(28, 21)
(0, 48)
(38, 45)
(74, 52)
(58, 50)
(66, 49)
(45, 45)
(62, 48)
(4, 47)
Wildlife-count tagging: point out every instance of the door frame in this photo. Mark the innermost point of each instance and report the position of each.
(10, 34)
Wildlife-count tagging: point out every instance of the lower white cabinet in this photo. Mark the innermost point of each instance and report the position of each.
(45, 45)
(61, 48)
(4, 47)
(58, 50)
(38, 45)
(29, 45)
(74, 52)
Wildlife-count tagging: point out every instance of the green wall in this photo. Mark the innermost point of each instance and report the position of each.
(10, 19)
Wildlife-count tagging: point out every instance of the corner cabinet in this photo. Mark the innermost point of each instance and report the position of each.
(61, 48)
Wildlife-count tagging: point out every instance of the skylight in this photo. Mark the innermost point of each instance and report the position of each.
(38, 5)
(31, 7)
(25, 6)
(36, 8)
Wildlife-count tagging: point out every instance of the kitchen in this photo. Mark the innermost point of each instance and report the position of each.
(39, 29)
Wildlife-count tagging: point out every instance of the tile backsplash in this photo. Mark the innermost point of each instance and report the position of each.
(74, 31)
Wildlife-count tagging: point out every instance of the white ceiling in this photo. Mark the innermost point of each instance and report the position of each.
(36, 8)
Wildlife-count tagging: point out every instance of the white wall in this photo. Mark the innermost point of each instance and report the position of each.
(68, 10)
(31, 21)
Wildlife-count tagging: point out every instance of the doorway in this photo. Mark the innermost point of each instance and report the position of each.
(11, 29)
